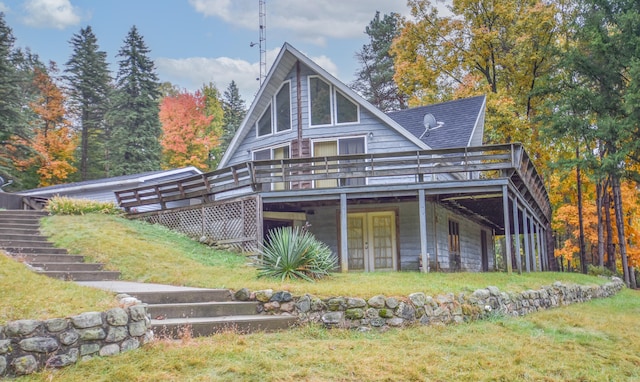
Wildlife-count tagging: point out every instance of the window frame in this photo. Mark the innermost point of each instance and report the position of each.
(334, 92)
(310, 108)
(273, 114)
(335, 109)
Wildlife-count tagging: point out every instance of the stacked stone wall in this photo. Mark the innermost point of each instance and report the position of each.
(383, 312)
(27, 346)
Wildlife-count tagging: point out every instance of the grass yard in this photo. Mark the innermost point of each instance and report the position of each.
(595, 341)
(152, 253)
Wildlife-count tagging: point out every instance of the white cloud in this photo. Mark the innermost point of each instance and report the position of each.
(57, 14)
(3, 7)
(194, 72)
(312, 21)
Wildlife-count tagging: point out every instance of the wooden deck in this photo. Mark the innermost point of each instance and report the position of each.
(462, 167)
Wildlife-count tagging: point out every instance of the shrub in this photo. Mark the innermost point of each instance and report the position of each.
(593, 270)
(62, 205)
(294, 254)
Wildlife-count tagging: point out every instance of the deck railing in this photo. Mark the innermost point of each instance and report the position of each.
(485, 162)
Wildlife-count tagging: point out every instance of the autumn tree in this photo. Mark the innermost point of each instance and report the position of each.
(599, 93)
(88, 79)
(374, 78)
(187, 132)
(214, 108)
(133, 116)
(54, 141)
(498, 48)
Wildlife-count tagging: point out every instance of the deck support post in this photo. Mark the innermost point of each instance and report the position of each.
(527, 241)
(424, 256)
(539, 248)
(344, 240)
(543, 249)
(507, 228)
(516, 234)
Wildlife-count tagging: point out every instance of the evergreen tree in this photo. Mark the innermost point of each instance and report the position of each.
(234, 109)
(134, 113)
(14, 132)
(87, 75)
(375, 78)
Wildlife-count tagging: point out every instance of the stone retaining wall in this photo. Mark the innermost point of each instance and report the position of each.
(27, 346)
(417, 308)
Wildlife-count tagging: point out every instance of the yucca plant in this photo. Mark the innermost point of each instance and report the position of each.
(293, 253)
(62, 205)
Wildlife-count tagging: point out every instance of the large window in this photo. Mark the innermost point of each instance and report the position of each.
(280, 113)
(328, 106)
(283, 108)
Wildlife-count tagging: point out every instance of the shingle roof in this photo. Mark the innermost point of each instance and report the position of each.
(459, 117)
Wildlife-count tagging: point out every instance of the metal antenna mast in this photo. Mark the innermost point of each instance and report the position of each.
(262, 9)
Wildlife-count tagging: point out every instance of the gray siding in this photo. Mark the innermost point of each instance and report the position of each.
(384, 138)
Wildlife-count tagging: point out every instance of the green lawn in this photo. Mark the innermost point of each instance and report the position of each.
(595, 341)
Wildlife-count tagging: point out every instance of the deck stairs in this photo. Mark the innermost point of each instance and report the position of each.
(202, 312)
(21, 239)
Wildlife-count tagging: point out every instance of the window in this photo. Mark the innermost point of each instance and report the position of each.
(320, 98)
(283, 109)
(343, 146)
(329, 106)
(281, 113)
(454, 245)
(264, 123)
(346, 110)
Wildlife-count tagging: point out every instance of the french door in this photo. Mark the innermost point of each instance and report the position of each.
(371, 238)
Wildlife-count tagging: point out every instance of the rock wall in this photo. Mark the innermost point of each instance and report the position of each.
(27, 346)
(417, 308)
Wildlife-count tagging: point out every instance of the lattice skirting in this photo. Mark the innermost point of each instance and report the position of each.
(235, 223)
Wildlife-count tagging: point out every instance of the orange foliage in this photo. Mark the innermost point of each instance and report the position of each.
(187, 133)
(54, 142)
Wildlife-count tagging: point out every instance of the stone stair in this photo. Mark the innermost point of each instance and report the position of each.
(20, 237)
(203, 312)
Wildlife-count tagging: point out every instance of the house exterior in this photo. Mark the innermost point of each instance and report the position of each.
(407, 190)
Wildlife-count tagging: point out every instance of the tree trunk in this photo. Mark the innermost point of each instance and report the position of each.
(583, 259)
(632, 275)
(600, 225)
(611, 253)
(622, 244)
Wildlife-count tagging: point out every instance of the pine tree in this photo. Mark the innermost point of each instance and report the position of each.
(234, 109)
(14, 132)
(87, 75)
(134, 117)
(375, 78)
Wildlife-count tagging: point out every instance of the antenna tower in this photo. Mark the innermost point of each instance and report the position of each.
(262, 43)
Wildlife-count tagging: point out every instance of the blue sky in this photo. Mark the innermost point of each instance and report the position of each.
(198, 41)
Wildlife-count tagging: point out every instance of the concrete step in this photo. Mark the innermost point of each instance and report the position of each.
(25, 243)
(10, 221)
(67, 267)
(30, 226)
(19, 231)
(23, 213)
(187, 296)
(205, 326)
(22, 237)
(35, 250)
(48, 258)
(82, 275)
(202, 309)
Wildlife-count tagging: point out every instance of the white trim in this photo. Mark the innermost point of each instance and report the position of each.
(257, 124)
